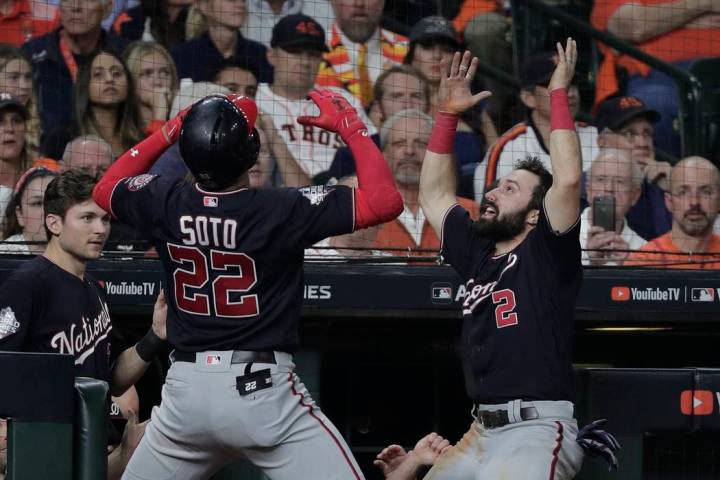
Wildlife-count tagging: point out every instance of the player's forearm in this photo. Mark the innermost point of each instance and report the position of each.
(116, 465)
(407, 470)
(437, 178)
(129, 368)
(638, 23)
(135, 161)
(377, 199)
(565, 156)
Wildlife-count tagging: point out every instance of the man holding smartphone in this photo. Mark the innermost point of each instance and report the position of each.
(614, 184)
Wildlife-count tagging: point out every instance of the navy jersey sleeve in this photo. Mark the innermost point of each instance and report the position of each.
(318, 212)
(18, 309)
(139, 201)
(461, 247)
(560, 249)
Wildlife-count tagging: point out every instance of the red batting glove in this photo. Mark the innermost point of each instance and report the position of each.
(336, 114)
(171, 129)
(247, 106)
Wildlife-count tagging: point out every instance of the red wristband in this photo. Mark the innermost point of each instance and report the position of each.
(560, 118)
(442, 138)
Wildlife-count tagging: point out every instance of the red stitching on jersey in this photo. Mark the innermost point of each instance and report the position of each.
(291, 380)
(556, 451)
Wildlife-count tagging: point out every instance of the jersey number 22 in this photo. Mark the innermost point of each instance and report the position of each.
(193, 273)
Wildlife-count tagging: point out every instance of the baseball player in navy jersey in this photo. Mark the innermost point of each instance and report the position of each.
(51, 304)
(521, 266)
(233, 260)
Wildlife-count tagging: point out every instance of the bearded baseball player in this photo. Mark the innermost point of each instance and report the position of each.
(233, 260)
(521, 266)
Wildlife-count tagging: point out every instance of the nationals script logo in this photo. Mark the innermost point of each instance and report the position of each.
(81, 340)
(475, 294)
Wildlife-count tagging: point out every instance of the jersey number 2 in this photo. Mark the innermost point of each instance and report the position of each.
(505, 301)
(193, 273)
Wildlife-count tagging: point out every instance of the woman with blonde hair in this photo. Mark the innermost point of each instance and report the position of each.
(105, 102)
(156, 82)
(16, 79)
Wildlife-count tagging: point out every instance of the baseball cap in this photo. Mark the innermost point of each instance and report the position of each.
(434, 27)
(298, 31)
(8, 102)
(538, 69)
(615, 112)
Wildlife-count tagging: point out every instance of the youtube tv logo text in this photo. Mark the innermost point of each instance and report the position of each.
(698, 402)
(647, 294)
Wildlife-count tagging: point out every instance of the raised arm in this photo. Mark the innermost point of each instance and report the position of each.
(377, 199)
(437, 178)
(137, 160)
(562, 201)
(637, 23)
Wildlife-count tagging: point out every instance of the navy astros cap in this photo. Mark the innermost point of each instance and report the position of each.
(615, 112)
(538, 69)
(434, 28)
(8, 102)
(298, 32)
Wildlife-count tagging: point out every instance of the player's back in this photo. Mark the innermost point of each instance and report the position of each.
(232, 260)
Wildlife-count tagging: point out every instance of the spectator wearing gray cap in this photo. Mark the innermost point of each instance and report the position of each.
(433, 40)
(627, 124)
(14, 156)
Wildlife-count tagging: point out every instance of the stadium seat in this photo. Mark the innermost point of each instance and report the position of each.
(90, 442)
(37, 399)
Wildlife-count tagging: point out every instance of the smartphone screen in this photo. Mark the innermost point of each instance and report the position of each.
(603, 212)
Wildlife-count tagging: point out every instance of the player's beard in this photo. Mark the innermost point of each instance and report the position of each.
(499, 229)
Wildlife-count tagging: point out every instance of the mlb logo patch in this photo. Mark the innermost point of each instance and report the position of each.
(702, 295)
(212, 360)
(442, 292)
(210, 201)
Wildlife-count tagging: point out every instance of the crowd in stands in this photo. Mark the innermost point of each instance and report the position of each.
(82, 81)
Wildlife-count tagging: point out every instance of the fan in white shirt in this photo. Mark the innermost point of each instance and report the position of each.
(532, 137)
(612, 173)
(297, 46)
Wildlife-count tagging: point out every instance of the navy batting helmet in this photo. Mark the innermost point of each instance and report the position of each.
(218, 142)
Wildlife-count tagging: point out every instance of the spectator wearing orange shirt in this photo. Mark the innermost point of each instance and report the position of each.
(360, 49)
(404, 137)
(675, 31)
(21, 20)
(693, 200)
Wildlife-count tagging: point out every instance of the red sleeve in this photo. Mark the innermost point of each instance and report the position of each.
(135, 161)
(153, 127)
(377, 199)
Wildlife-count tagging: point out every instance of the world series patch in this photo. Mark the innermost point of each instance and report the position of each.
(136, 183)
(8, 322)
